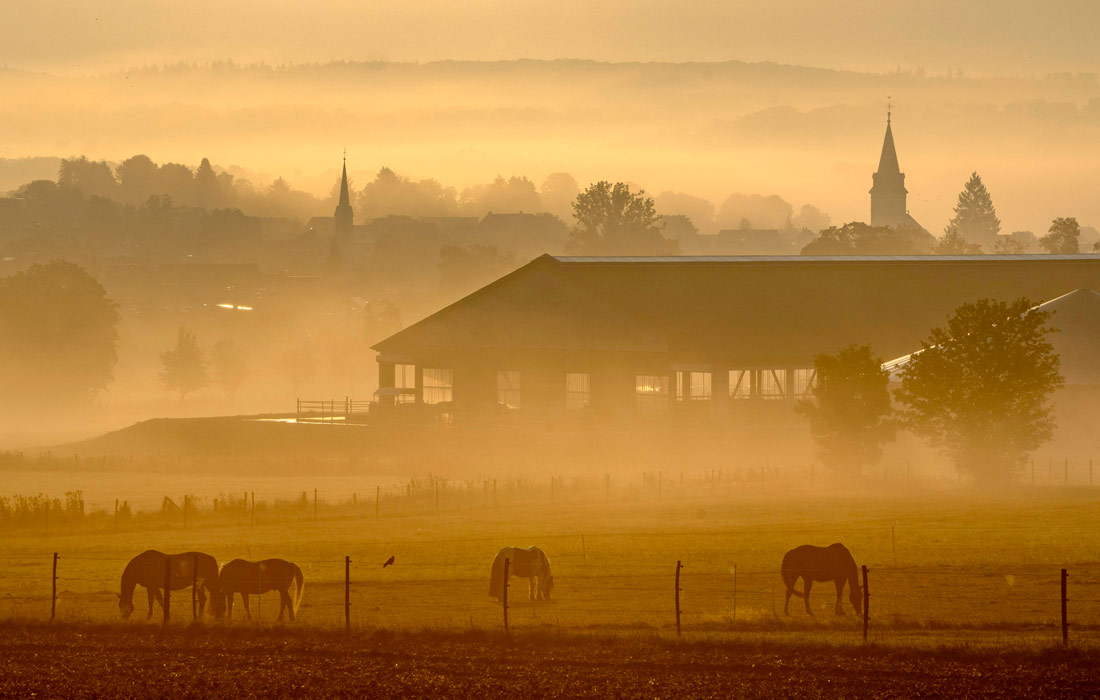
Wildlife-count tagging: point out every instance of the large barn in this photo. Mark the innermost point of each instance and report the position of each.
(697, 339)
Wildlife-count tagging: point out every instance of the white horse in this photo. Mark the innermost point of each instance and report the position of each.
(530, 563)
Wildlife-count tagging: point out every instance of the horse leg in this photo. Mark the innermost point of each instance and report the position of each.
(809, 584)
(787, 603)
(154, 595)
(201, 595)
(839, 594)
(532, 586)
(244, 602)
(285, 602)
(229, 606)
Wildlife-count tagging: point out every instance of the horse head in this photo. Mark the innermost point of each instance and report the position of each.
(217, 603)
(125, 607)
(855, 595)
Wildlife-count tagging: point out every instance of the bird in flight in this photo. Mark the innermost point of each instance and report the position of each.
(388, 562)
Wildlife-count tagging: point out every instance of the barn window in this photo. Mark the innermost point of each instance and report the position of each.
(773, 384)
(578, 390)
(438, 386)
(740, 383)
(651, 393)
(693, 386)
(804, 382)
(404, 381)
(508, 388)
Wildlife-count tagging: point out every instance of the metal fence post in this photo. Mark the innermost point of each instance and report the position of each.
(1065, 618)
(504, 594)
(167, 588)
(866, 604)
(735, 592)
(678, 567)
(347, 594)
(194, 588)
(53, 595)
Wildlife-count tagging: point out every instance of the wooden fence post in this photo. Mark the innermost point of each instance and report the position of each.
(1065, 619)
(504, 594)
(866, 604)
(253, 521)
(678, 567)
(347, 594)
(167, 588)
(53, 595)
(116, 515)
(194, 589)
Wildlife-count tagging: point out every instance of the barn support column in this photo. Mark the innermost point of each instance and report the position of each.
(386, 380)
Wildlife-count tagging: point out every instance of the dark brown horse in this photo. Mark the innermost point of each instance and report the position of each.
(256, 577)
(833, 563)
(147, 569)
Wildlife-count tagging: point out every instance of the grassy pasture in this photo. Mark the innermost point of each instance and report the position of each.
(944, 566)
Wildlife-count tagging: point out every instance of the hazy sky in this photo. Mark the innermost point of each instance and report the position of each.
(979, 36)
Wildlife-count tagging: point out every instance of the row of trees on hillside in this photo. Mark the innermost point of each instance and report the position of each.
(979, 390)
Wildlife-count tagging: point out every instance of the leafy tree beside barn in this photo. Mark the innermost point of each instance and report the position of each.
(980, 388)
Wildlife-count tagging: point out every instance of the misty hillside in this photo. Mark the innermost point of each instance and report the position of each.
(806, 134)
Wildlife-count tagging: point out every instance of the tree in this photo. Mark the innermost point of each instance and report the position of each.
(1007, 245)
(58, 334)
(975, 218)
(1063, 238)
(612, 220)
(465, 268)
(516, 194)
(229, 363)
(185, 366)
(557, 193)
(953, 243)
(979, 389)
(849, 409)
(857, 238)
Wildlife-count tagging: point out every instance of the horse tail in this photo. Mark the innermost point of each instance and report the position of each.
(789, 577)
(496, 578)
(300, 584)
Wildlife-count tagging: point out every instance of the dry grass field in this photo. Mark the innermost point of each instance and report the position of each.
(945, 567)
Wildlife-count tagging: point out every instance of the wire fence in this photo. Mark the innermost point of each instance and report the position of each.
(424, 588)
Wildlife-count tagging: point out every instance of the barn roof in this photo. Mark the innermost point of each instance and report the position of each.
(755, 310)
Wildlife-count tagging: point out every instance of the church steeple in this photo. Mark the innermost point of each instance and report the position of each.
(888, 190)
(344, 216)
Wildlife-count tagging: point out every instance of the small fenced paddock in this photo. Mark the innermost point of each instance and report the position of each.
(599, 585)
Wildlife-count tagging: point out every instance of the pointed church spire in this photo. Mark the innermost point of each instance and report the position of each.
(888, 161)
(345, 200)
(344, 217)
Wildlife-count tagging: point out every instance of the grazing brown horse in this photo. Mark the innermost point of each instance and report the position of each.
(833, 563)
(147, 569)
(529, 563)
(256, 577)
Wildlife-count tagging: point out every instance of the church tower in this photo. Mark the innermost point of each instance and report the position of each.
(344, 214)
(888, 189)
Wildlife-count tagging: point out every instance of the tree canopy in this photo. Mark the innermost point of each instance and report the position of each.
(953, 243)
(858, 238)
(975, 218)
(849, 409)
(184, 366)
(59, 331)
(612, 220)
(979, 389)
(1063, 238)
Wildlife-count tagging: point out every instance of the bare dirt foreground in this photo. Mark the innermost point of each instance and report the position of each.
(140, 662)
